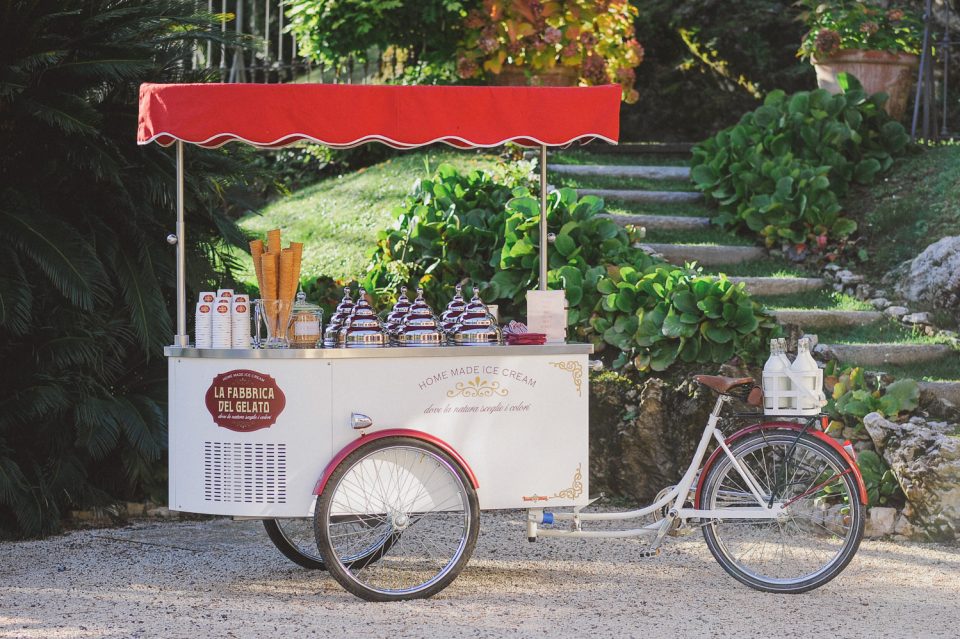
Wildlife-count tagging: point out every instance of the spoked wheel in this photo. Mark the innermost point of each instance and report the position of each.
(296, 540)
(822, 524)
(398, 519)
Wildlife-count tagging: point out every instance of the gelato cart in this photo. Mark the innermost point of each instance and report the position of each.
(390, 453)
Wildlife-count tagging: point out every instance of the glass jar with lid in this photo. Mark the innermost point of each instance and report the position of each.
(306, 321)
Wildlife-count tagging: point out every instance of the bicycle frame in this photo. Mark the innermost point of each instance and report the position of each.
(677, 496)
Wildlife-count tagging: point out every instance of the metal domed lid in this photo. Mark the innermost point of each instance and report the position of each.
(346, 304)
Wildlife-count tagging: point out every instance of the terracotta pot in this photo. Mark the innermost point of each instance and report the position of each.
(892, 73)
(512, 76)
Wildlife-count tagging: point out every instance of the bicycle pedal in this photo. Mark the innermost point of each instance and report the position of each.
(648, 554)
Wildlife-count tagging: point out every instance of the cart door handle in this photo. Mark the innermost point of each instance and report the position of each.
(359, 421)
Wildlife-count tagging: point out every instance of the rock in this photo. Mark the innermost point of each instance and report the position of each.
(904, 527)
(135, 509)
(160, 511)
(881, 522)
(880, 303)
(863, 291)
(925, 459)
(933, 277)
(896, 311)
(916, 318)
(636, 452)
(833, 268)
(862, 444)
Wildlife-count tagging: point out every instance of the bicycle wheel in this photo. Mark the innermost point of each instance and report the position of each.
(821, 526)
(398, 519)
(296, 540)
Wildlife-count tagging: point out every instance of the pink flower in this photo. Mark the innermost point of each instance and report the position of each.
(594, 69)
(466, 68)
(552, 35)
(869, 28)
(827, 41)
(588, 39)
(570, 50)
(626, 76)
(487, 45)
(895, 15)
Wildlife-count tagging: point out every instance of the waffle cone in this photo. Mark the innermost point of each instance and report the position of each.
(273, 241)
(287, 288)
(270, 265)
(297, 261)
(256, 250)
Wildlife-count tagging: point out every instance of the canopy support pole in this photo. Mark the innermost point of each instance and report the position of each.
(181, 339)
(543, 217)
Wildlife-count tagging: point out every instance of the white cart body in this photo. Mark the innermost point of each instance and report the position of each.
(516, 414)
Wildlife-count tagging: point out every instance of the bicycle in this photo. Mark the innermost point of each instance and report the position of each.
(781, 504)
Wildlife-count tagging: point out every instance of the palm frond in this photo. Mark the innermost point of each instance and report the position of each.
(98, 428)
(16, 300)
(64, 258)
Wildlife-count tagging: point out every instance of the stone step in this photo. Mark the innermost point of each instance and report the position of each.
(623, 171)
(881, 354)
(660, 222)
(826, 318)
(648, 197)
(779, 285)
(949, 391)
(707, 255)
(626, 148)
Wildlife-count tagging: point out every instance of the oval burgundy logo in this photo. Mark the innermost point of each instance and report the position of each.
(245, 400)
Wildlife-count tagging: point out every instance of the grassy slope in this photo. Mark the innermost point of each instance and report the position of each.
(338, 219)
(916, 204)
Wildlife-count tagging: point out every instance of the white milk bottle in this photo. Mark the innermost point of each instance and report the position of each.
(773, 378)
(809, 377)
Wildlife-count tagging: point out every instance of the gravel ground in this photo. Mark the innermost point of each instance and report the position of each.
(219, 578)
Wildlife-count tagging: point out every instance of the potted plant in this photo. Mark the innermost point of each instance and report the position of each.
(552, 42)
(879, 45)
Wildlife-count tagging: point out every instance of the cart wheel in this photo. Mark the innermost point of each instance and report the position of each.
(398, 519)
(295, 539)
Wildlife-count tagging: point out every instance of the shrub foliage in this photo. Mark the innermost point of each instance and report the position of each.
(781, 170)
(459, 228)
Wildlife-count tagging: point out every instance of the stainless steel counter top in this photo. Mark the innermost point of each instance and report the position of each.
(378, 353)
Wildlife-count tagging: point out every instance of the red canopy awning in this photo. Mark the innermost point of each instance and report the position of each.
(342, 116)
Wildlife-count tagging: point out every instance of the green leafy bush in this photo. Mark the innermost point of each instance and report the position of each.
(882, 486)
(780, 171)
(854, 397)
(664, 313)
(457, 228)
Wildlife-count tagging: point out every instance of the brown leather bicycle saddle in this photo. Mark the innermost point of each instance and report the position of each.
(722, 384)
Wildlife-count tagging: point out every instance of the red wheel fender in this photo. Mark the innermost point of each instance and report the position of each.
(743, 432)
(394, 432)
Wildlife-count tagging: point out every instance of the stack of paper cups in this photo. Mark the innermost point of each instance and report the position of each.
(224, 292)
(240, 322)
(204, 318)
(208, 297)
(221, 329)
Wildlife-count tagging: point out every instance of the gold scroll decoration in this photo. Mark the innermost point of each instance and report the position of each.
(477, 387)
(575, 489)
(575, 367)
